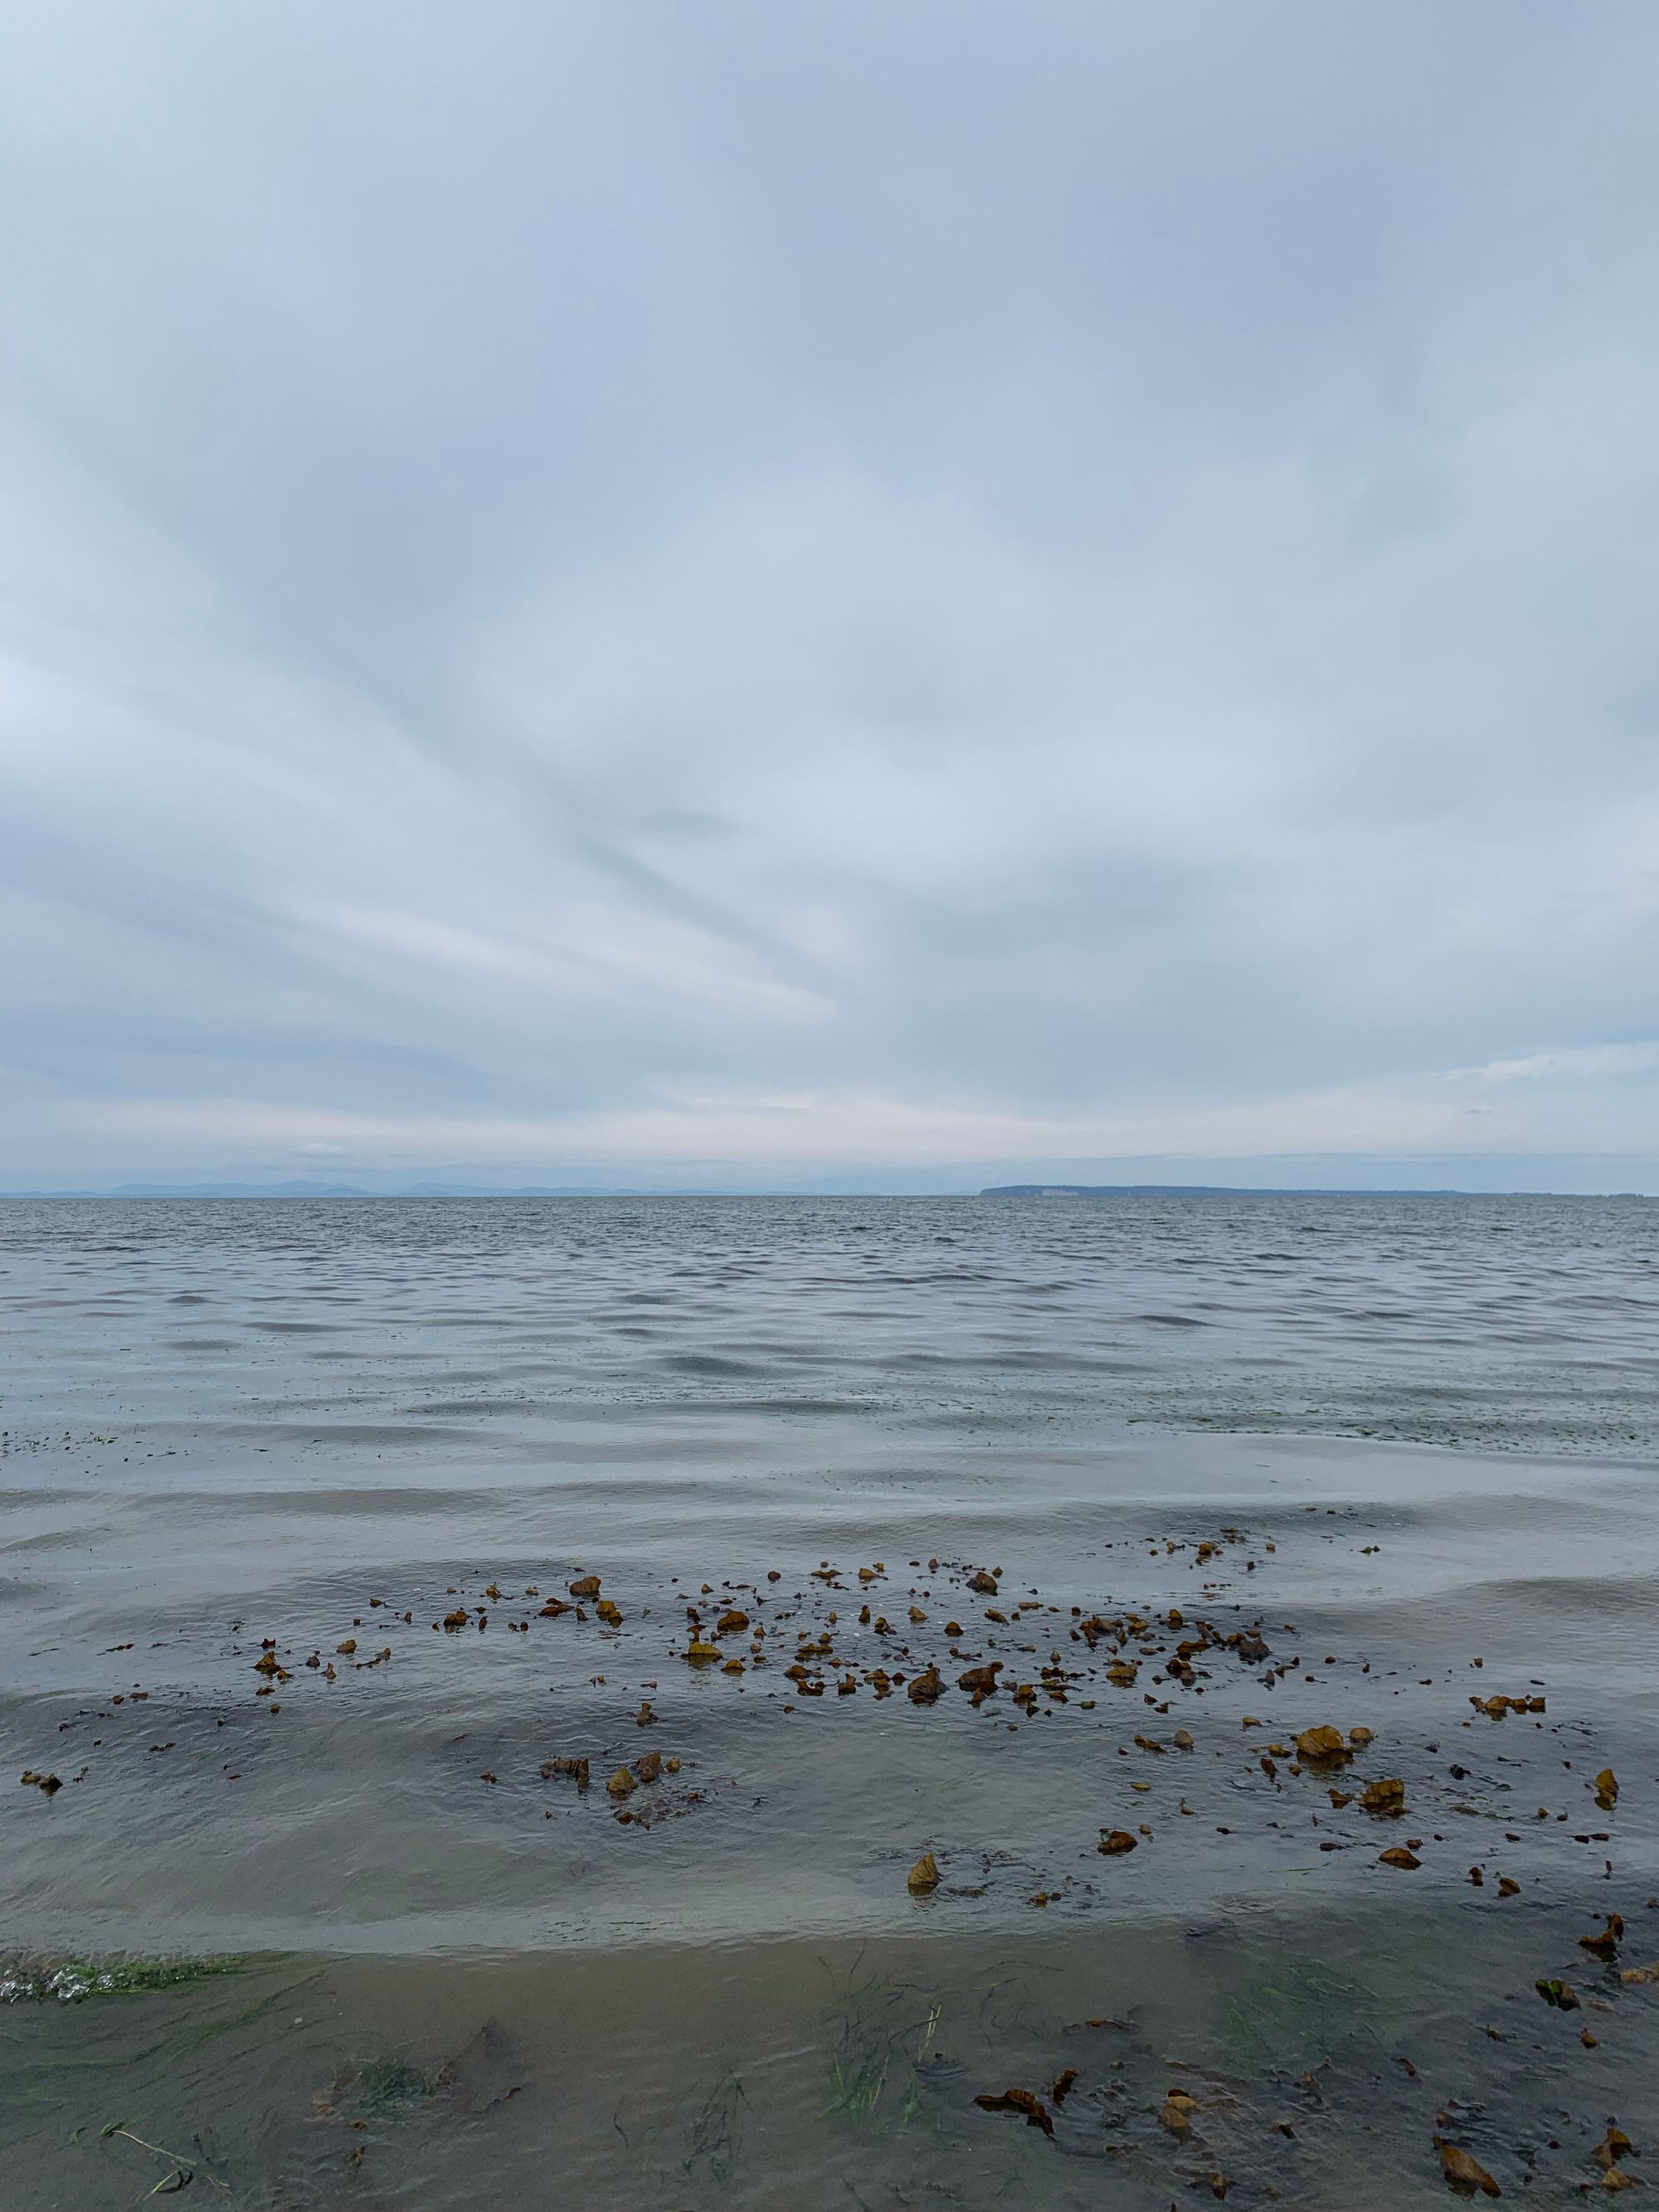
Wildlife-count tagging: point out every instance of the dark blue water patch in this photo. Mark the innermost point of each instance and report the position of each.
(710, 1364)
(297, 1327)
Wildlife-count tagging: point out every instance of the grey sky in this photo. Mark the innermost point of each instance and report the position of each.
(823, 589)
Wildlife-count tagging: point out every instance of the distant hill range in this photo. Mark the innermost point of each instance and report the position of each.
(1198, 1190)
(320, 1190)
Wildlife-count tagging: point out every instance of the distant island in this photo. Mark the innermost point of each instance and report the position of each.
(1203, 1190)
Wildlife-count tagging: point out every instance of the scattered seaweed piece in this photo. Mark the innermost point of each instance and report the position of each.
(1615, 2145)
(1323, 1746)
(1606, 1944)
(1025, 2102)
(1557, 1993)
(1464, 2175)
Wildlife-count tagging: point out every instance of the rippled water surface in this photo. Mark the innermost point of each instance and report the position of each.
(1371, 1461)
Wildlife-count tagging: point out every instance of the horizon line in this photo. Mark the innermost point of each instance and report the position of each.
(1044, 1193)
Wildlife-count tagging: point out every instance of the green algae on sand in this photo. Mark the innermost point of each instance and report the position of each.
(69, 1980)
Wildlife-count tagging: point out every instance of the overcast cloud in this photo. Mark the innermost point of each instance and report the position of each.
(756, 592)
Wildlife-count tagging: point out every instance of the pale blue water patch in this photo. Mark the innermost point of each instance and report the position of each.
(1525, 1324)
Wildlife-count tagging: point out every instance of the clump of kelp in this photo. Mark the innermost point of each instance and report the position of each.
(34, 1980)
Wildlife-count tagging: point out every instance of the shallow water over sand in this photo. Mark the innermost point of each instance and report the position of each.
(233, 1427)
